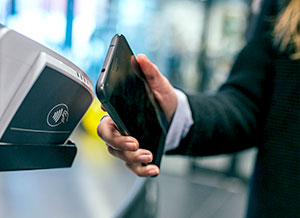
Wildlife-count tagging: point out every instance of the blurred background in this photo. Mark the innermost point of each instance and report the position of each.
(193, 42)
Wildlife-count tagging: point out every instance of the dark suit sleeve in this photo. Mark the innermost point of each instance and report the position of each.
(231, 119)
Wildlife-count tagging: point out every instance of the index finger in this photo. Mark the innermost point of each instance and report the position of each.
(110, 134)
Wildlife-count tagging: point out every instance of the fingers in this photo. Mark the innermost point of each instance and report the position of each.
(134, 160)
(139, 156)
(127, 149)
(109, 133)
(143, 171)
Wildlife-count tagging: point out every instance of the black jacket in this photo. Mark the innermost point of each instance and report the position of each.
(258, 106)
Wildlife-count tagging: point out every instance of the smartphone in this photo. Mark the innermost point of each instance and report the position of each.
(127, 97)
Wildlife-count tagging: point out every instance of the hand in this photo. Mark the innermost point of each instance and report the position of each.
(127, 148)
(160, 85)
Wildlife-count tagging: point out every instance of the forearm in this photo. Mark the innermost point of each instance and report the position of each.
(205, 125)
(220, 126)
(231, 119)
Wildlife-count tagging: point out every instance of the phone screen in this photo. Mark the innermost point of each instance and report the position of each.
(129, 100)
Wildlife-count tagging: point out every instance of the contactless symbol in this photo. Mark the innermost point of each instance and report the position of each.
(57, 115)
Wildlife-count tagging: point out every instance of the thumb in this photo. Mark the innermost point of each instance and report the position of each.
(150, 70)
(161, 87)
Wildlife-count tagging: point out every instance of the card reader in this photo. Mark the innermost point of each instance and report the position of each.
(43, 97)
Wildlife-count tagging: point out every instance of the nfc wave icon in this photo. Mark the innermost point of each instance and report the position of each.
(59, 114)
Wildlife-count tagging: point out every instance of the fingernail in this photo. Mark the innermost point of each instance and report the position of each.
(153, 172)
(144, 158)
(131, 146)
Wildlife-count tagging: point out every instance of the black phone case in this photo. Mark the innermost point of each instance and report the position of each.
(105, 88)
